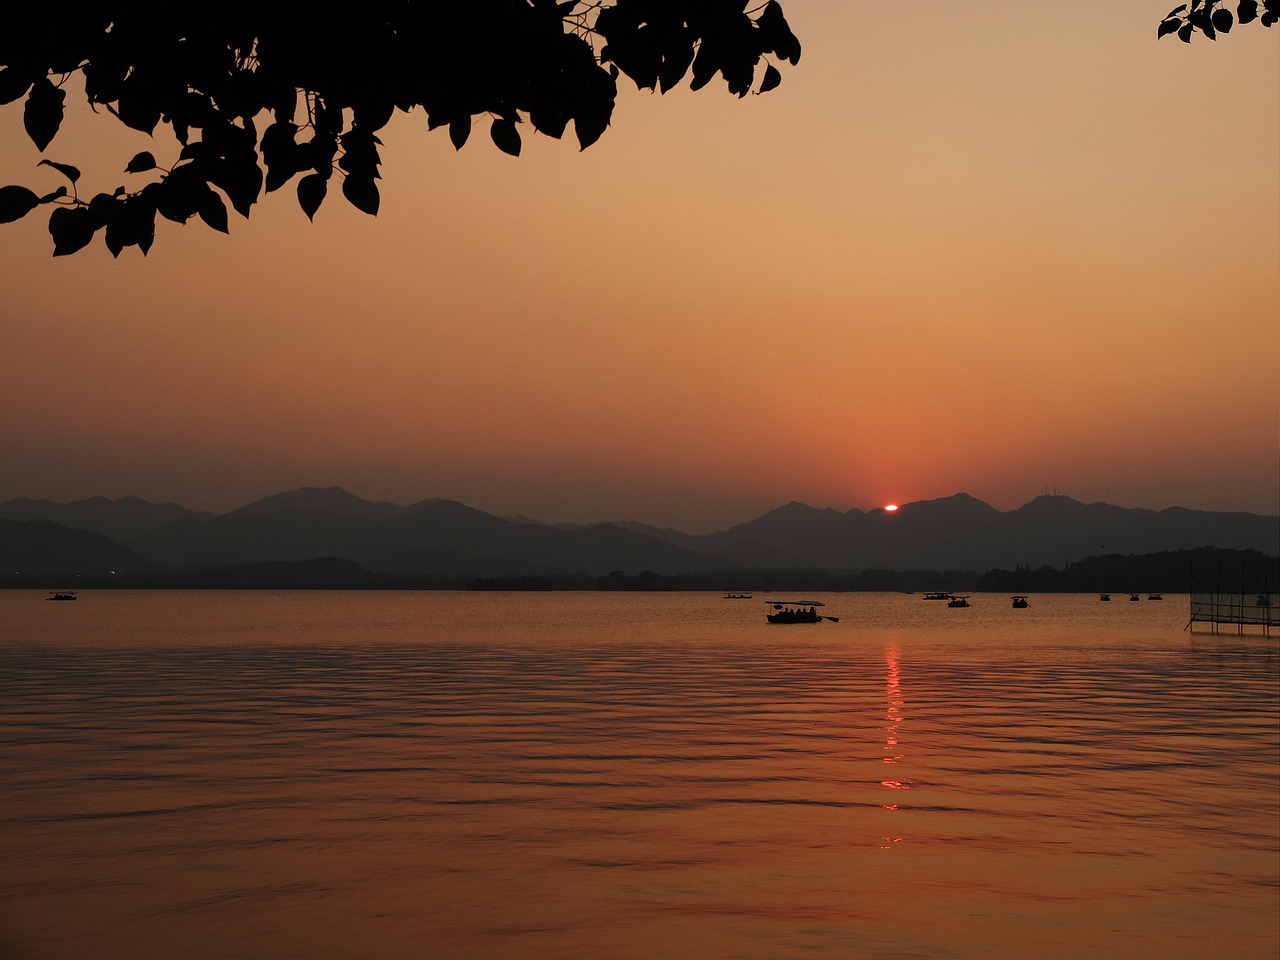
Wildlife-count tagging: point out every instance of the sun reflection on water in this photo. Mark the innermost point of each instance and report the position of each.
(892, 720)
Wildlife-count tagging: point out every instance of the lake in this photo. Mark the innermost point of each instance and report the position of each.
(205, 774)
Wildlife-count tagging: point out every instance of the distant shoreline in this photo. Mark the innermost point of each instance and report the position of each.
(1178, 572)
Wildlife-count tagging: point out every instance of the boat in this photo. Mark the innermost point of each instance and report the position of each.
(1019, 602)
(957, 600)
(937, 596)
(1104, 597)
(62, 595)
(797, 611)
(1155, 596)
(1134, 596)
(737, 596)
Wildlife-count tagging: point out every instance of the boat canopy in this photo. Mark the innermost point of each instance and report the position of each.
(797, 603)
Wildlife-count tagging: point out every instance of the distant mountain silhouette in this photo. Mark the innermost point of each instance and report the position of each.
(328, 500)
(454, 539)
(961, 532)
(124, 519)
(438, 538)
(38, 552)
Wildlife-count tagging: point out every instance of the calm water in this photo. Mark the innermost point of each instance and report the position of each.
(406, 775)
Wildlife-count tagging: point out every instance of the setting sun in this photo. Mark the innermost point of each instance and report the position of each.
(890, 507)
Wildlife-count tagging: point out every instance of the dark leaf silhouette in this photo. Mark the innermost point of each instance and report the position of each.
(506, 136)
(141, 162)
(66, 169)
(43, 114)
(132, 224)
(14, 83)
(771, 79)
(72, 229)
(459, 131)
(16, 202)
(311, 192)
(281, 154)
(363, 193)
(213, 211)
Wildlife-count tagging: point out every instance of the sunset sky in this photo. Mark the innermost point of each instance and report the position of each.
(989, 248)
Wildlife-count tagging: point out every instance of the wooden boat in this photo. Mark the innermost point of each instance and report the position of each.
(737, 596)
(937, 596)
(1019, 602)
(63, 595)
(797, 611)
(1104, 597)
(958, 601)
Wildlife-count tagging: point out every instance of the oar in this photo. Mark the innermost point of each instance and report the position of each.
(832, 619)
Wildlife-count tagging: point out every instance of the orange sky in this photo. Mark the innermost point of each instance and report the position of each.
(959, 249)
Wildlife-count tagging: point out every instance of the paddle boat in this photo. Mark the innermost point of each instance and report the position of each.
(958, 600)
(1020, 602)
(797, 611)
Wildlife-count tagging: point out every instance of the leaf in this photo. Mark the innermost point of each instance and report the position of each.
(459, 130)
(13, 84)
(1176, 10)
(363, 193)
(140, 162)
(675, 61)
(72, 229)
(591, 115)
(1184, 32)
(505, 135)
(1223, 21)
(771, 78)
(134, 225)
(178, 196)
(280, 153)
(1247, 12)
(16, 202)
(311, 192)
(66, 169)
(1167, 27)
(56, 195)
(137, 106)
(213, 211)
(42, 115)
(240, 178)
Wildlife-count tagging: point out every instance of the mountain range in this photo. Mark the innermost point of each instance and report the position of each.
(444, 539)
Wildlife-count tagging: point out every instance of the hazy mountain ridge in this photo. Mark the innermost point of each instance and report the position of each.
(40, 549)
(444, 538)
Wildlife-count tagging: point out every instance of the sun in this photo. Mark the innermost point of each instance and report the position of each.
(890, 507)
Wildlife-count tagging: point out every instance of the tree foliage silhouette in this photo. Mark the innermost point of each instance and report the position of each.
(1213, 17)
(259, 95)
